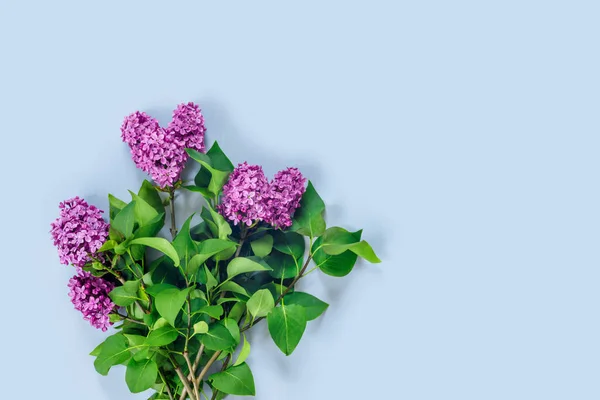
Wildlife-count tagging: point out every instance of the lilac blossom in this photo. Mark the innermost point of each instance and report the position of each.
(188, 127)
(89, 294)
(161, 152)
(283, 198)
(243, 195)
(78, 232)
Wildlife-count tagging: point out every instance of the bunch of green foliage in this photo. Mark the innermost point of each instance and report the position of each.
(184, 305)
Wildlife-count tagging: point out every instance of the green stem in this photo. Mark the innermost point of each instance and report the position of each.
(172, 207)
(162, 376)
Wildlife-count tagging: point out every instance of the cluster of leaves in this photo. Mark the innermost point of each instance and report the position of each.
(185, 304)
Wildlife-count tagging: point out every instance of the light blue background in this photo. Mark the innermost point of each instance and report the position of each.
(463, 136)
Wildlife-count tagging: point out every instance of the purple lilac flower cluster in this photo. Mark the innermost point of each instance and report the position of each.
(248, 197)
(78, 232)
(161, 152)
(89, 295)
(285, 192)
(243, 195)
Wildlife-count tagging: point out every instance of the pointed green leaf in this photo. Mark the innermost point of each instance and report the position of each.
(223, 227)
(141, 375)
(263, 246)
(151, 196)
(236, 380)
(126, 294)
(212, 311)
(183, 243)
(211, 282)
(114, 351)
(242, 265)
(115, 205)
(169, 303)
(217, 338)
(108, 245)
(207, 249)
(244, 353)
(286, 326)
(155, 289)
(308, 218)
(219, 160)
(337, 240)
(162, 336)
(217, 177)
(159, 244)
(233, 329)
(144, 212)
(231, 286)
(335, 265)
(291, 243)
(283, 265)
(125, 219)
(313, 306)
(261, 303)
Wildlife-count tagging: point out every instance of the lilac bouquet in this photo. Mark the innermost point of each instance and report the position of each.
(178, 320)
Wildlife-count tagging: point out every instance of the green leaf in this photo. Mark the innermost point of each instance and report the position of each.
(263, 246)
(126, 294)
(286, 325)
(237, 311)
(162, 336)
(219, 159)
(337, 240)
(217, 338)
(212, 311)
(217, 177)
(231, 286)
(209, 222)
(236, 380)
(283, 265)
(169, 303)
(125, 219)
(291, 243)
(261, 303)
(144, 212)
(244, 353)
(151, 228)
(183, 243)
(223, 227)
(200, 327)
(135, 340)
(242, 265)
(155, 289)
(97, 350)
(113, 351)
(141, 375)
(308, 218)
(151, 196)
(211, 282)
(159, 244)
(233, 329)
(338, 265)
(207, 249)
(313, 306)
(115, 205)
(108, 245)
